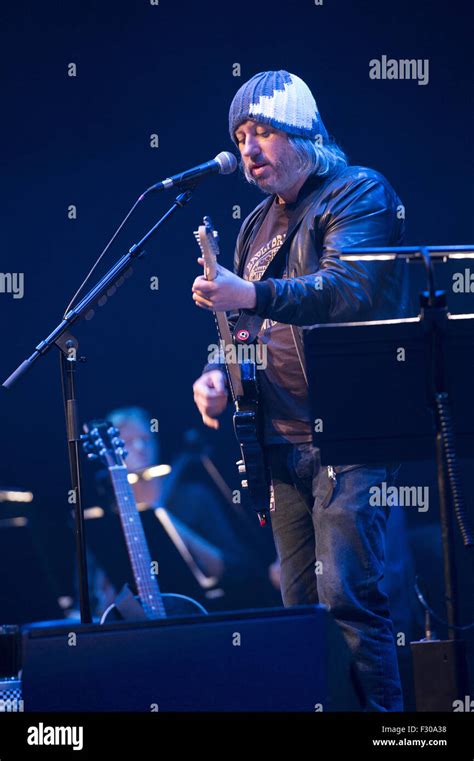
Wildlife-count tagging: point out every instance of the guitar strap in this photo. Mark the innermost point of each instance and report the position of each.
(248, 325)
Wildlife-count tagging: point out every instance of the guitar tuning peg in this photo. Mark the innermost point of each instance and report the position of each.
(112, 431)
(92, 456)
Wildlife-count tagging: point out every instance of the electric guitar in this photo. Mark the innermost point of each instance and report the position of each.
(101, 440)
(243, 385)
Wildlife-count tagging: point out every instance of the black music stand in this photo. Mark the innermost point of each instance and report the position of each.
(371, 388)
(394, 390)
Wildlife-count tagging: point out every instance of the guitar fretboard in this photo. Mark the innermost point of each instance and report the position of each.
(210, 250)
(146, 581)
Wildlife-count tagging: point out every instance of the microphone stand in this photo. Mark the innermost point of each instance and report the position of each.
(68, 346)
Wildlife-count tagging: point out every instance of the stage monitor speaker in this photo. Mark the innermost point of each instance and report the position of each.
(275, 659)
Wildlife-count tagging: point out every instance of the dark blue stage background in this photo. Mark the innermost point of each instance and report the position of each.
(84, 140)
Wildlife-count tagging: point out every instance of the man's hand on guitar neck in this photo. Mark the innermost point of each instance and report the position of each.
(211, 395)
(226, 292)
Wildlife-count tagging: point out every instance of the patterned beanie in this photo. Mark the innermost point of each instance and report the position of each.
(280, 99)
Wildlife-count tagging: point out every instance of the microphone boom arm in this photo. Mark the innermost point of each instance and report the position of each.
(98, 294)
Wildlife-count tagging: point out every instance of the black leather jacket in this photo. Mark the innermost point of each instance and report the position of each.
(356, 206)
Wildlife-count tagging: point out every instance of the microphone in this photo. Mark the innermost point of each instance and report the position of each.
(224, 163)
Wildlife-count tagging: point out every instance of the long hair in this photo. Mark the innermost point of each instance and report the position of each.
(317, 158)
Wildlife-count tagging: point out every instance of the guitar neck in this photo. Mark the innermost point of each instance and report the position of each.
(223, 329)
(146, 581)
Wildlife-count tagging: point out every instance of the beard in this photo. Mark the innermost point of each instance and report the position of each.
(283, 176)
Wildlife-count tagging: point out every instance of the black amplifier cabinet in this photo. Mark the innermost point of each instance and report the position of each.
(274, 659)
(440, 675)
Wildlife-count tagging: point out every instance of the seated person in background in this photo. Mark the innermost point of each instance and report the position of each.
(209, 530)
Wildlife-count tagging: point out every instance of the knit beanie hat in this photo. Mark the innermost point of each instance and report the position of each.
(280, 99)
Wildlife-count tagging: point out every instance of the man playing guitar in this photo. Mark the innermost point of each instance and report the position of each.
(330, 541)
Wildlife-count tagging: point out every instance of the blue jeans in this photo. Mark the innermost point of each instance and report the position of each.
(331, 544)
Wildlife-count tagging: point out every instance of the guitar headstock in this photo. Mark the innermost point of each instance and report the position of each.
(208, 241)
(101, 441)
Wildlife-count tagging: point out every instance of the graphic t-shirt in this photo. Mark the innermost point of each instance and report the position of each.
(282, 383)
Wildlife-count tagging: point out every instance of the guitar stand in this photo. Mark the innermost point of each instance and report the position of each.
(128, 606)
